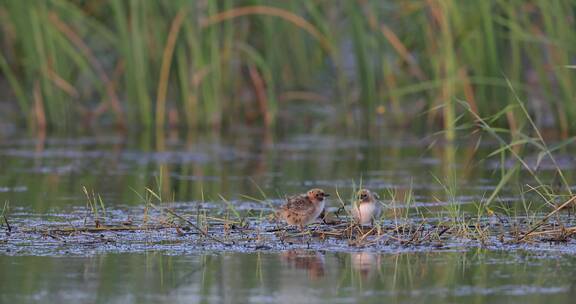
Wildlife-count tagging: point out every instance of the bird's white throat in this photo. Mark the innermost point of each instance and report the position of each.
(319, 208)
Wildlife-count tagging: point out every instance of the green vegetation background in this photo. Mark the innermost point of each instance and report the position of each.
(210, 63)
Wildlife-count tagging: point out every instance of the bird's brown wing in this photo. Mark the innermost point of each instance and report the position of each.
(298, 204)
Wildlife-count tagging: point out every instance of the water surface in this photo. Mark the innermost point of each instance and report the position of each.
(42, 179)
(291, 277)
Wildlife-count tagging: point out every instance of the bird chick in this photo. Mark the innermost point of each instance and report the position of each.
(303, 209)
(366, 208)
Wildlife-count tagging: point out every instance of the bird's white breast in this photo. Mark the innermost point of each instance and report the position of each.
(319, 208)
(364, 213)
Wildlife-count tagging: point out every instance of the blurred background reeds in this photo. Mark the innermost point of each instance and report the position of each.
(181, 63)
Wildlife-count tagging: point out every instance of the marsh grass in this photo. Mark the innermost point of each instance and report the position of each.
(94, 206)
(4, 216)
(193, 63)
(406, 228)
(514, 143)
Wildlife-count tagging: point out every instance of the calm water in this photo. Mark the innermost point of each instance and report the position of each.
(49, 172)
(42, 177)
(291, 277)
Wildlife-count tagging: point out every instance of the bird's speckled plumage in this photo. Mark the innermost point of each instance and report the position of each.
(303, 209)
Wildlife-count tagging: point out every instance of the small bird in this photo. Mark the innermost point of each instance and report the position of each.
(303, 209)
(366, 208)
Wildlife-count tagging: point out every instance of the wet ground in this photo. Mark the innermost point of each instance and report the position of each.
(213, 237)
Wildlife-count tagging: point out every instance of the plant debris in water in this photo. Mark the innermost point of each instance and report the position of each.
(178, 229)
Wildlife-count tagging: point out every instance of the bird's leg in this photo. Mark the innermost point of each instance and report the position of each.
(308, 238)
(323, 216)
(337, 213)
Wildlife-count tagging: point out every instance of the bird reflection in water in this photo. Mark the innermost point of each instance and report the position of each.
(366, 263)
(311, 261)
